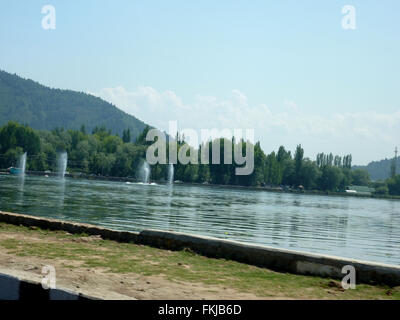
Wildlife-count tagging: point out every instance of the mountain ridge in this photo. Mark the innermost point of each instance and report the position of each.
(41, 107)
(379, 170)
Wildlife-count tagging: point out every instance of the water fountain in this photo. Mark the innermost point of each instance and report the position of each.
(62, 164)
(22, 165)
(145, 172)
(170, 173)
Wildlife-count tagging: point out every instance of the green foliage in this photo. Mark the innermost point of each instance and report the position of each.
(16, 139)
(382, 190)
(394, 185)
(309, 174)
(330, 160)
(102, 153)
(11, 156)
(271, 168)
(346, 179)
(14, 135)
(360, 177)
(298, 162)
(126, 136)
(393, 167)
(141, 139)
(330, 178)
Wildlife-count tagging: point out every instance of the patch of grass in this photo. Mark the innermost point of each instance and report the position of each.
(179, 266)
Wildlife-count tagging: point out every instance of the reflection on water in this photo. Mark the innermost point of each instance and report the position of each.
(367, 229)
(20, 186)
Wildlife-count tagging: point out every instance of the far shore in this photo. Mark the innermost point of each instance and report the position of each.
(275, 189)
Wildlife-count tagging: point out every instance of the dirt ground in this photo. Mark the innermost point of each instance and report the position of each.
(110, 270)
(105, 285)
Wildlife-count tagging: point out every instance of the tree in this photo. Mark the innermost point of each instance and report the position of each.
(347, 161)
(126, 136)
(309, 173)
(221, 173)
(393, 164)
(190, 173)
(102, 163)
(272, 174)
(320, 160)
(337, 162)
(111, 143)
(346, 179)
(122, 164)
(141, 139)
(107, 154)
(38, 162)
(330, 178)
(285, 166)
(14, 135)
(382, 190)
(12, 156)
(298, 161)
(260, 163)
(360, 177)
(101, 132)
(394, 185)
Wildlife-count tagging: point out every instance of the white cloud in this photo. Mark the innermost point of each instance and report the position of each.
(367, 135)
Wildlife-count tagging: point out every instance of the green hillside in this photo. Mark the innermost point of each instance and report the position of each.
(43, 108)
(379, 170)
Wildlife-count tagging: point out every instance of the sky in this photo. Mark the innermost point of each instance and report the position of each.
(287, 69)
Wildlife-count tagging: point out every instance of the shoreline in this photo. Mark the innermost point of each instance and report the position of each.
(89, 266)
(232, 187)
(280, 260)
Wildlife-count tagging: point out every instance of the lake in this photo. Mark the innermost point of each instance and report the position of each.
(359, 228)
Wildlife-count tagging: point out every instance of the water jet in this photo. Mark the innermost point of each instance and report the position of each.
(62, 164)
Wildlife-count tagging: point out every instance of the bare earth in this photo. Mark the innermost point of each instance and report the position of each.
(107, 269)
(105, 285)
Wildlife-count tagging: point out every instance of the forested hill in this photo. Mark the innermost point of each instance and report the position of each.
(43, 108)
(379, 170)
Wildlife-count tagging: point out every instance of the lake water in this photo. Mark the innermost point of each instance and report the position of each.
(360, 228)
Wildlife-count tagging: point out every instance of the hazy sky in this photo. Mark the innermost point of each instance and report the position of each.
(285, 68)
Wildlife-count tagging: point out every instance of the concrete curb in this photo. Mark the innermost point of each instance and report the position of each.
(276, 259)
(71, 227)
(13, 288)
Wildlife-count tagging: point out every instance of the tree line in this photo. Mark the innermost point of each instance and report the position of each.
(102, 153)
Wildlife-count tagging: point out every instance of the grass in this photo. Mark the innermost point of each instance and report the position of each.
(180, 266)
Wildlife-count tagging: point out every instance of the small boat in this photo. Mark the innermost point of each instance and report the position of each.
(13, 170)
